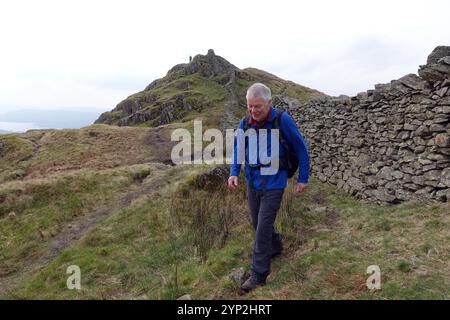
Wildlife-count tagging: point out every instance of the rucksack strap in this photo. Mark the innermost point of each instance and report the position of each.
(277, 121)
(246, 122)
(277, 125)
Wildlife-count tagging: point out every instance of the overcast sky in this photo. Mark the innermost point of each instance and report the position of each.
(92, 54)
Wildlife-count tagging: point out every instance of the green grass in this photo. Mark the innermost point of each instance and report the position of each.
(39, 153)
(280, 86)
(12, 156)
(152, 250)
(32, 213)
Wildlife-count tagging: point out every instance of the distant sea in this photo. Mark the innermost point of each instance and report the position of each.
(21, 120)
(9, 127)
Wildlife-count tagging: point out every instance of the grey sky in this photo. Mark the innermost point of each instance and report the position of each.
(92, 54)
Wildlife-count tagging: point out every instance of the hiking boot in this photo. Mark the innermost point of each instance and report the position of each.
(251, 284)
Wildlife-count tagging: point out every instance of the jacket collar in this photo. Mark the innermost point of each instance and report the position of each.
(269, 118)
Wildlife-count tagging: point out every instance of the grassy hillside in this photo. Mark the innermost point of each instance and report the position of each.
(39, 153)
(282, 87)
(179, 239)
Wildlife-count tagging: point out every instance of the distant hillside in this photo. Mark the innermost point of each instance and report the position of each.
(52, 118)
(207, 86)
(39, 153)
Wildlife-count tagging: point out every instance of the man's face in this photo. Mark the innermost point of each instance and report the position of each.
(258, 108)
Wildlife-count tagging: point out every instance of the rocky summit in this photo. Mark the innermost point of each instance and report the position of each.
(209, 86)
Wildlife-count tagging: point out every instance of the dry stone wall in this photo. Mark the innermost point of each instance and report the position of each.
(389, 144)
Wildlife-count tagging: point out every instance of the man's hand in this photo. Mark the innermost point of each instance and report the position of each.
(301, 187)
(233, 182)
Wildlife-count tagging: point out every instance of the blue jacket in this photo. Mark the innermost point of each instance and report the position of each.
(291, 134)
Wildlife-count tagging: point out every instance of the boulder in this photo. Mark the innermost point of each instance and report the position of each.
(437, 68)
(238, 276)
(413, 81)
(212, 178)
(438, 53)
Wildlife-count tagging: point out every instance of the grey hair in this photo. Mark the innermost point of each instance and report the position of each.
(259, 90)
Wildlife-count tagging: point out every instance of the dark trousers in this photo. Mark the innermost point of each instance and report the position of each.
(264, 206)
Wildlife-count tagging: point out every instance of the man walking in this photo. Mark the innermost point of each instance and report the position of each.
(265, 192)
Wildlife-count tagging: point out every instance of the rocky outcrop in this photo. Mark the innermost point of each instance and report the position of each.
(132, 111)
(209, 65)
(148, 107)
(206, 82)
(213, 178)
(162, 113)
(389, 144)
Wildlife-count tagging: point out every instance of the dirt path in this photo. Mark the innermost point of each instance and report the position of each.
(231, 108)
(75, 230)
(36, 146)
